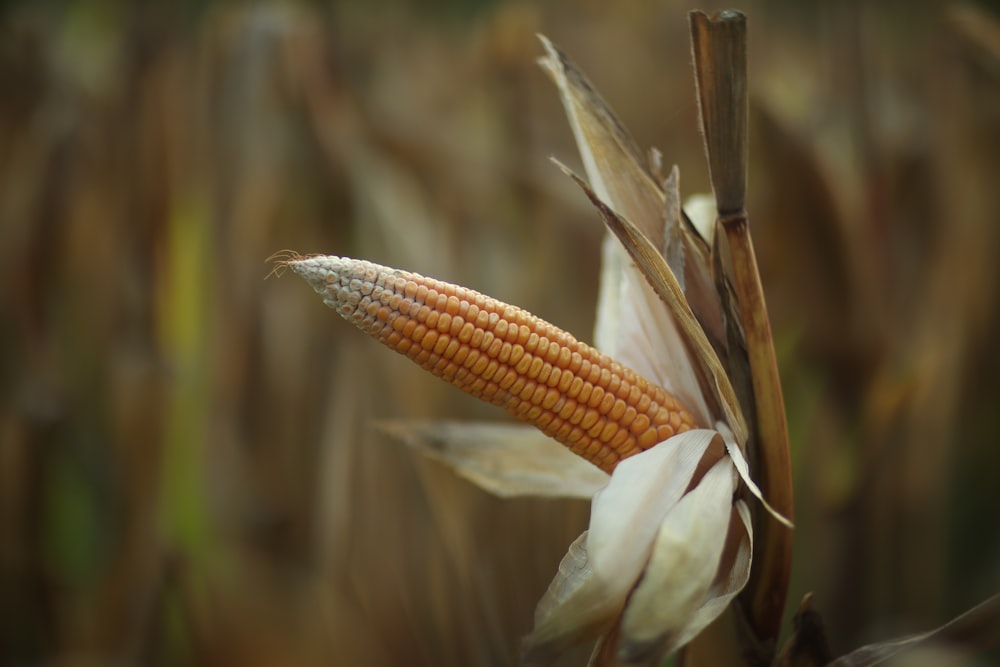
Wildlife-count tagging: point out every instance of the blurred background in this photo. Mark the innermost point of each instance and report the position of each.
(189, 472)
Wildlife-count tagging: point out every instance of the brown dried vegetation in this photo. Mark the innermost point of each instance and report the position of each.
(188, 468)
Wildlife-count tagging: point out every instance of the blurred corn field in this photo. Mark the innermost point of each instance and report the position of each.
(190, 471)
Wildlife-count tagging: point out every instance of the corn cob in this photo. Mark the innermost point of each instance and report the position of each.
(504, 355)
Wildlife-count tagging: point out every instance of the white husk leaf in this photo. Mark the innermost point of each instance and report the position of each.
(970, 627)
(682, 567)
(577, 605)
(573, 570)
(607, 325)
(505, 459)
(635, 327)
(596, 576)
(626, 514)
(700, 209)
(732, 576)
(743, 468)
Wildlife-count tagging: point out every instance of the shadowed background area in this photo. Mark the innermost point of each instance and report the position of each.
(189, 467)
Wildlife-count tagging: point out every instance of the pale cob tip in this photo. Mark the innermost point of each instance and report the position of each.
(501, 354)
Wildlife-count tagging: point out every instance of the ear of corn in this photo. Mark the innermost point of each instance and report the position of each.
(502, 354)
